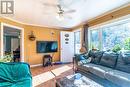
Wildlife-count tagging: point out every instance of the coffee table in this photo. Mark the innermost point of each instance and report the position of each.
(76, 80)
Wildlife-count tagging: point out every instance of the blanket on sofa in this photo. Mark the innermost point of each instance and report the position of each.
(15, 75)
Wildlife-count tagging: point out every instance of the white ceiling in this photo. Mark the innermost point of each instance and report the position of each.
(34, 12)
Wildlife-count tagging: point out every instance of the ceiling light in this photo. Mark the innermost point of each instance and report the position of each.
(60, 17)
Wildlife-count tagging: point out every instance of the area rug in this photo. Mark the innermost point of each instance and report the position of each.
(60, 70)
(41, 78)
(72, 81)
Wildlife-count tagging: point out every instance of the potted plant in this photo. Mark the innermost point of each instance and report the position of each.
(7, 58)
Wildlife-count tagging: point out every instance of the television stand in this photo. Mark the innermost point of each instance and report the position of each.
(47, 60)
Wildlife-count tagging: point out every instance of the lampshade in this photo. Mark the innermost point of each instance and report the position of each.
(83, 50)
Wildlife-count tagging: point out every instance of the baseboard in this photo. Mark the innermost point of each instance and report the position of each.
(36, 65)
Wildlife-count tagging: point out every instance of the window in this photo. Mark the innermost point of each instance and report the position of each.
(114, 35)
(94, 39)
(77, 42)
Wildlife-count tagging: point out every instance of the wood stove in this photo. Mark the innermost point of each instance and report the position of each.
(47, 60)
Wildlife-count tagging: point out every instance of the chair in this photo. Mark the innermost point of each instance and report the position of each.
(15, 74)
(16, 55)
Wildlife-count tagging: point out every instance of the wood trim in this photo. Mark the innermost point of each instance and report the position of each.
(1, 40)
(113, 14)
(110, 22)
(116, 14)
(36, 65)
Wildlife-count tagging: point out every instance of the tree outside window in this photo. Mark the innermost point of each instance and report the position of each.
(113, 37)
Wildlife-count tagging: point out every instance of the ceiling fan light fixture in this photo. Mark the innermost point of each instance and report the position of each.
(60, 17)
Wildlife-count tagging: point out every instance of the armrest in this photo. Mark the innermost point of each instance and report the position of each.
(81, 59)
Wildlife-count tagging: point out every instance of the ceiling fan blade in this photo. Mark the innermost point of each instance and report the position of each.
(59, 6)
(70, 11)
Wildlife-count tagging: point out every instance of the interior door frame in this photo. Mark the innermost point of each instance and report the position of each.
(21, 40)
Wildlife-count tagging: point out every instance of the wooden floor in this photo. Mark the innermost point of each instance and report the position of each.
(46, 77)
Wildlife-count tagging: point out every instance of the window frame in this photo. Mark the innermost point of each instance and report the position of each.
(100, 27)
(78, 30)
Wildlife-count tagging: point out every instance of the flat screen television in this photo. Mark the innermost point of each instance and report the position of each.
(47, 46)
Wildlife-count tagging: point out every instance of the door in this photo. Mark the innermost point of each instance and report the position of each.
(67, 46)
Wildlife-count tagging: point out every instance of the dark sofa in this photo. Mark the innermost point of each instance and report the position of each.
(114, 67)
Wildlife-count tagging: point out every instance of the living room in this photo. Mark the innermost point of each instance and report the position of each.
(52, 40)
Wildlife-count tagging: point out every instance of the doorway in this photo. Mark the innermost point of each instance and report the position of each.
(12, 42)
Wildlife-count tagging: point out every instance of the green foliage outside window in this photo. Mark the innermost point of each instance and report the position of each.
(7, 58)
(127, 44)
(116, 48)
(114, 37)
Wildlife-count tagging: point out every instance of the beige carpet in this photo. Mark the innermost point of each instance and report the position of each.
(44, 77)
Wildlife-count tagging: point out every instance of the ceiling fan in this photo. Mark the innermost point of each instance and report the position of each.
(61, 13)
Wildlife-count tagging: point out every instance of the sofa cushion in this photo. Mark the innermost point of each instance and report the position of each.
(81, 59)
(99, 70)
(123, 62)
(86, 66)
(95, 56)
(109, 59)
(118, 77)
(126, 57)
(95, 69)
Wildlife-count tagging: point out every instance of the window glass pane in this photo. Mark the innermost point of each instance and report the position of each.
(77, 37)
(77, 42)
(94, 39)
(116, 36)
